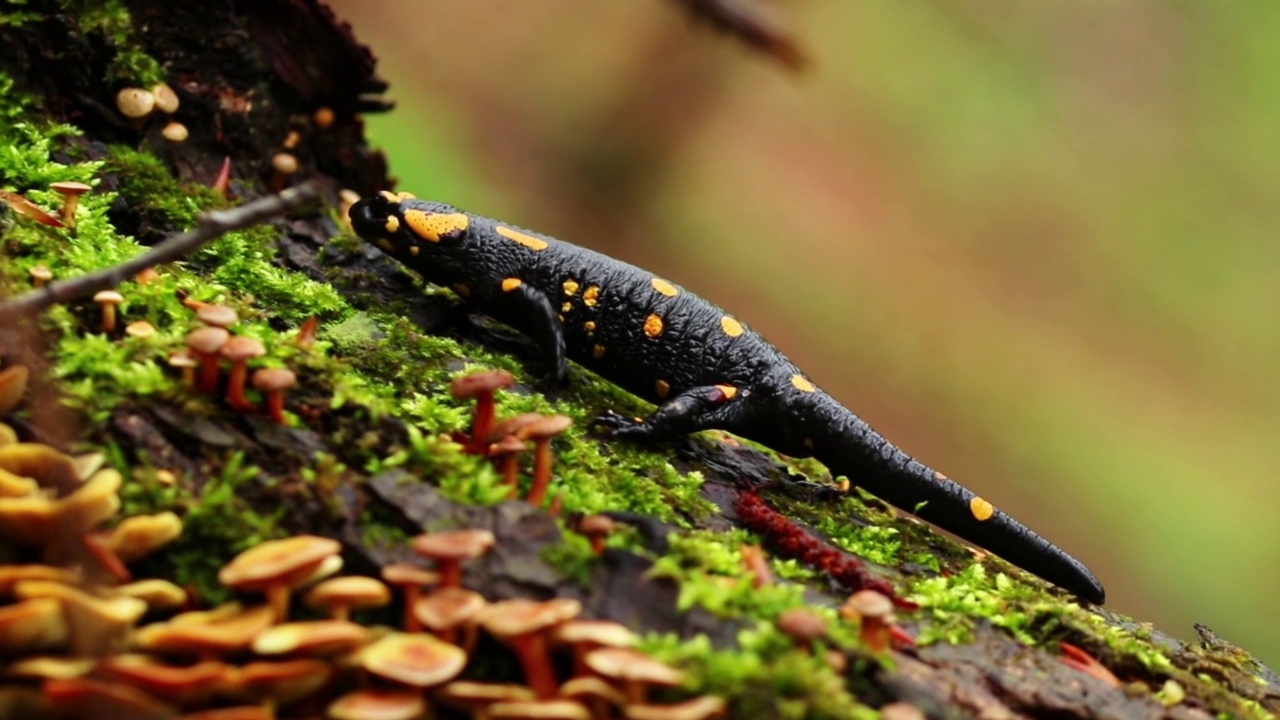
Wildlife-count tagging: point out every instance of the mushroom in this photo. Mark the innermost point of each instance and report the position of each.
(802, 625)
(205, 343)
(279, 683)
(239, 712)
(597, 528)
(449, 548)
(409, 579)
(323, 117)
(11, 575)
(166, 100)
(273, 382)
(481, 386)
(901, 711)
(135, 104)
(223, 316)
(478, 696)
(507, 453)
(314, 637)
(445, 610)
(140, 329)
(523, 624)
(541, 433)
(378, 705)
(704, 707)
(70, 192)
(175, 132)
(207, 634)
(108, 299)
(45, 667)
(306, 336)
(513, 425)
(146, 276)
(587, 635)
(85, 698)
(158, 594)
(418, 660)
(276, 566)
(95, 626)
(340, 595)
(239, 350)
(282, 165)
(595, 693)
(13, 385)
(874, 613)
(635, 670)
(187, 363)
(184, 686)
(40, 275)
(139, 535)
(32, 626)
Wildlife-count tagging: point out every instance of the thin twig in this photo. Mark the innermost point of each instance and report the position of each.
(209, 226)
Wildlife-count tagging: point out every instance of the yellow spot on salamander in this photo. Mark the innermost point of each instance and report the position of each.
(653, 326)
(462, 289)
(664, 287)
(433, 226)
(802, 383)
(510, 284)
(406, 196)
(981, 509)
(393, 223)
(570, 287)
(591, 295)
(390, 196)
(597, 351)
(528, 241)
(662, 387)
(385, 245)
(731, 327)
(566, 307)
(728, 390)
(589, 326)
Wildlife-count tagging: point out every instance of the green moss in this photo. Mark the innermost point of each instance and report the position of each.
(110, 19)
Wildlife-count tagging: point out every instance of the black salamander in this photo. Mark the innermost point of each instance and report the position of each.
(703, 368)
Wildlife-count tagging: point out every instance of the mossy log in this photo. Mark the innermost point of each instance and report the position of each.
(365, 457)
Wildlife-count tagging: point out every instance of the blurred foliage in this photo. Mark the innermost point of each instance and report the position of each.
(1028, 241)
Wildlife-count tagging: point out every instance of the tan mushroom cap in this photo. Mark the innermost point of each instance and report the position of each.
(108, 297)
(469, 694)
(378, 705)
(508, 444)
(49, 468)
(513, 425)
(40, 273)
(354, 591)
(218, 635)
(274, 379)
(16, 486)
(284, 163)
(140, 535)
(546, 427)
(551, 709)
(13, 385)
(183, 360)
(68, 188)
(454, 544)
(448, 608)
(290, 560)
(480, 383)
(591, 689)
(32, 626)
(312, 637)
(802, 624)
(704, 707)
(87, 698)
(241, 348)
(157, 593)
(165, 98)
(140, 329)
(869, 604)
(37, 520)
(95, 626)
(401, 574)
(44, 667)
(175, 132)
(280, 682)
(135, 102)
(207, 340)
(901, 711)
(601, 633)
(413, 659)
(217, 315)
(11, 575)
(519, 616)
(633, 666)
(181, 685)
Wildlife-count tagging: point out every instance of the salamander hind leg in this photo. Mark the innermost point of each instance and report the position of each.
(699, 408)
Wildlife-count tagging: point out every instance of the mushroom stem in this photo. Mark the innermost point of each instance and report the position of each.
(208, 372)
(532, 651)
(275, 406)
(235, 386)
(450, 573)
(510, 466)
(411, 622)
(483, 422)
(278, 599)
(541, 471)
(108, 317)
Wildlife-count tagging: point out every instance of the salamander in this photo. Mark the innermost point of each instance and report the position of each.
(701, 366)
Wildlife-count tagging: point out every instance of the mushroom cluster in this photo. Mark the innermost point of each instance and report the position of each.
(504, 441)
(138, 104)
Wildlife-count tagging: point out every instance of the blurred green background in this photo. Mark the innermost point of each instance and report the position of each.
(1033, 243)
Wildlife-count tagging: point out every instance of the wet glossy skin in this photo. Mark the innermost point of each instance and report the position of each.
(702, 367)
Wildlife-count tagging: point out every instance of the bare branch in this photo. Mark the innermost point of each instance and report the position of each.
(209, 226)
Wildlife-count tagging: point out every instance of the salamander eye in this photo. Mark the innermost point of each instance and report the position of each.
(374, 217)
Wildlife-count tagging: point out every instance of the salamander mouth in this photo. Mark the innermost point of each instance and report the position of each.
(369, 217)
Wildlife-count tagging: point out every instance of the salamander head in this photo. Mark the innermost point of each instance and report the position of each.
(404, 226)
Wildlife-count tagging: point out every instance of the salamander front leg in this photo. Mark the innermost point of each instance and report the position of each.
(529, 311)
(700, 408)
